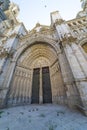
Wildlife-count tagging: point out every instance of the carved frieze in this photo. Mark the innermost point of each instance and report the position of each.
(22, 72)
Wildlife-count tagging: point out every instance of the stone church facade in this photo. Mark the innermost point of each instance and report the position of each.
(45, 65)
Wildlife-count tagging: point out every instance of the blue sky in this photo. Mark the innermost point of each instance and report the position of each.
(33, 11)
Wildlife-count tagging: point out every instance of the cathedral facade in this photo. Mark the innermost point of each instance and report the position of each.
(45, 65)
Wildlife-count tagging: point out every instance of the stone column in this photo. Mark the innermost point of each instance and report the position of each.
(40, 90)
(30, 87)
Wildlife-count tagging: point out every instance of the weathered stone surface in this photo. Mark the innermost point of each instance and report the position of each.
(62, 47)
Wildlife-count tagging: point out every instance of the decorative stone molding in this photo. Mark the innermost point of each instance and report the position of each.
(68, 40)
(59, 21)
(21, 73)
(4, 52)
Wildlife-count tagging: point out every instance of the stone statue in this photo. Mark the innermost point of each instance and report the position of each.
(84, 4)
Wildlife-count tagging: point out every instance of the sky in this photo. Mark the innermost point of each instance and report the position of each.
(34, 11)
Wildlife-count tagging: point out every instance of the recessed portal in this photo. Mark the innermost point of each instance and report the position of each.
(37, 77)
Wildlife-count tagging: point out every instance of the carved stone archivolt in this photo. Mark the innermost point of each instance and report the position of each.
(36, 56)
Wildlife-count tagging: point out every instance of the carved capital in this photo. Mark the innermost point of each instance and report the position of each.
(69, 40)
(59, 21)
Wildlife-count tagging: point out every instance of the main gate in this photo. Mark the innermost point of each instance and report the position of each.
(46, 85)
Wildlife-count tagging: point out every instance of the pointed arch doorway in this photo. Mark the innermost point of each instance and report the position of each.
(41, 83)
(37, 77)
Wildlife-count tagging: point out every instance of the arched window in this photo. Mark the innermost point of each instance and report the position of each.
(75, 32)
(84, 46)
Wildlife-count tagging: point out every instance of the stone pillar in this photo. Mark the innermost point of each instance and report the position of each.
(78, 65)
(30, 88)
(68, 79)
(40, 90)
(6, 83)
(82, 51)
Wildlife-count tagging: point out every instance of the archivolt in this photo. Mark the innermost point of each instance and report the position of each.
(38, 55)
(32, 41)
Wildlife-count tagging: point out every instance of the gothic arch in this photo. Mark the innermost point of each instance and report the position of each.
(35, 40)
(28, 54)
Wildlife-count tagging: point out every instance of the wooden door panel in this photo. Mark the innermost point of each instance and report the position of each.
(46, 85)
(35, 86)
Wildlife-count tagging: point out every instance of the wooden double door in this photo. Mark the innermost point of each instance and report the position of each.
(45, 84)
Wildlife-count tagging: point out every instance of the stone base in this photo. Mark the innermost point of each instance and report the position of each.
(82, 109)
(2, 105)
(85, 112)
